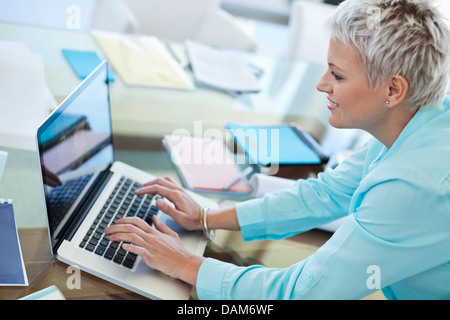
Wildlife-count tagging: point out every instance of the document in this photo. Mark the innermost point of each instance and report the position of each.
(12, 267)
(142, 61)
(262, 184)
(221, 69)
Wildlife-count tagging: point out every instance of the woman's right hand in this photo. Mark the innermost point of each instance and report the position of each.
(185, 212)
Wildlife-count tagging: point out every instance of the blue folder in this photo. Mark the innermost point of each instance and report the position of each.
(278, 144)
(84, 62)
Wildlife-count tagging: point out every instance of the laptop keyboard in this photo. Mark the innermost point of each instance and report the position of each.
(121, 203)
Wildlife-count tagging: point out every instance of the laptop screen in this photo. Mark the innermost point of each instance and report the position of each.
(75, 148)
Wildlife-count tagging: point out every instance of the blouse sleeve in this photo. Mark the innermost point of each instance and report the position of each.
(391, 236)
(308, 204)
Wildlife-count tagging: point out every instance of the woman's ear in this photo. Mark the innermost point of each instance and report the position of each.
(398, 88)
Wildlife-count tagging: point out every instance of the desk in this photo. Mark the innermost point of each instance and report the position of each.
(288, 91)
(288, 95)
(20, 182)
(44, 271)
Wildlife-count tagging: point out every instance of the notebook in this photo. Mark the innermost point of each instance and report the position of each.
(205, 165)
(12, 267)
(86, 190)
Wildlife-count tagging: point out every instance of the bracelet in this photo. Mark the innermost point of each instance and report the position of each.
(210, 235)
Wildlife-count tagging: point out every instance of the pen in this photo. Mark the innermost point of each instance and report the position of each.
(240, 176)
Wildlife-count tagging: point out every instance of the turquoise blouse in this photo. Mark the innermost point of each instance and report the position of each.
(396, 237)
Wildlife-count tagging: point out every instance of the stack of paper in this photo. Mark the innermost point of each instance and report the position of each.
(142, 60)
(221, 69)
(25, 97)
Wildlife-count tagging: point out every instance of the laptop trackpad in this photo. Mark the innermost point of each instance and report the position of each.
(168, 221)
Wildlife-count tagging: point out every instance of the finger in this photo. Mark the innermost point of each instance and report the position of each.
(161, 227)
(172, 195)
(126, 236)
(168, 209)
(166, 182)
(125, 232)
(135, 221)
(134, 249)
(157, 189)
(52, 182)
(168, 178)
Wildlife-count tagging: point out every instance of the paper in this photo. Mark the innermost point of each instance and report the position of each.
(221, 69)
(49, 293)
(262, 184)
(84, 62)
(142, 61)
(25, 97)
(3, 157)
(12, 267)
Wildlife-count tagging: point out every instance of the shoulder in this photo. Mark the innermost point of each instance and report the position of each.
(422, 156)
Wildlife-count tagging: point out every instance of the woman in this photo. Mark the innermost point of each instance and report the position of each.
(387, 74)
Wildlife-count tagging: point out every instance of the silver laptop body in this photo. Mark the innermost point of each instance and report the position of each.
(84, 190)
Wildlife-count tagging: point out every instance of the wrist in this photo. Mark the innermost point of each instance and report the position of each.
(189, 269)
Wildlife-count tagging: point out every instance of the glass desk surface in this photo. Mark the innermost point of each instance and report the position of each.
(20, 182)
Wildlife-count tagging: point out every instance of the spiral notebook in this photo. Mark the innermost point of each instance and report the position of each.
(12, 267)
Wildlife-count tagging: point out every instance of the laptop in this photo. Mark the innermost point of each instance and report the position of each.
(86, 190)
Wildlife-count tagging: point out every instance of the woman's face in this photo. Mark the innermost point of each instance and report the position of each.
(351, 101)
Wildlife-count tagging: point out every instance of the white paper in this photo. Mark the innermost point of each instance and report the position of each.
(262, 184)
(26, 99)
(221, 69)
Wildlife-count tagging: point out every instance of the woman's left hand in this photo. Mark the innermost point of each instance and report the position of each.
(159, 247)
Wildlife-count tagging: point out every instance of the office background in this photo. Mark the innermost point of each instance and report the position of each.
(283, 37)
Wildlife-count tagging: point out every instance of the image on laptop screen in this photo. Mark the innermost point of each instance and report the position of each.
(75, 147)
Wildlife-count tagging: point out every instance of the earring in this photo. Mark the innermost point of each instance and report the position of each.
(387, 102)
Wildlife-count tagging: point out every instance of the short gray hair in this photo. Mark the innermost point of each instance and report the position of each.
(406, 37)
